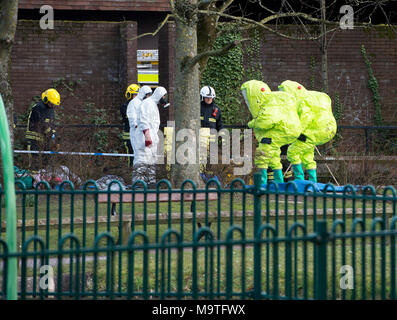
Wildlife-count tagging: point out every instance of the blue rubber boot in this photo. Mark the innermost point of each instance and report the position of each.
(298, 172)
(278, 176)
(312, 175)
(264, 176)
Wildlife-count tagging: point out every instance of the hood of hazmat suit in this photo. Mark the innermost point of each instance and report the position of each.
(158, 94)
(314, 111)
(293, 87)
(144, 91)
(274, 113)
(253, 92)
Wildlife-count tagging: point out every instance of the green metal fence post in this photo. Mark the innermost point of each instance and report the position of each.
(9, 186)
(320, 263)
(257, 246)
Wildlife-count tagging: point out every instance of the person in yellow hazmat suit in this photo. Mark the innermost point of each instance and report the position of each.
(318, 127)
(275, 123)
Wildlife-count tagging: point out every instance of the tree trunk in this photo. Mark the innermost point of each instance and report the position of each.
(8, 24)
(186, 96)
(206, 36)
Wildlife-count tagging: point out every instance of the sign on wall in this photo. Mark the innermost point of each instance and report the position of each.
(148, 61)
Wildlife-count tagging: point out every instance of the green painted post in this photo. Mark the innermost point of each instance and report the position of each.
(257, 247)
(9, 186)
(321, 260)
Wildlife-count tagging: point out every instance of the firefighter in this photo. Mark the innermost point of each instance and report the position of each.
(210, 114)
(40, 131)
(146, 136)
(275, 123)
(318, 127)
(130, 94)
(211, 118)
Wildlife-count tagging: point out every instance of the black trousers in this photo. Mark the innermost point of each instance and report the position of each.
(37, 161)
(129, 150)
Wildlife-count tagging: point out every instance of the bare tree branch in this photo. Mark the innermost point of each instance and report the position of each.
(295, 14)
(299, 18)
(225, 5)
(205, 2)
(251, 23)
(388, 21)
(263, 7)
(156, 31)
(172, 4)
(213, 53)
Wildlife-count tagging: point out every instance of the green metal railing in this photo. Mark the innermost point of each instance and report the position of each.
(8, 171)
(247, 243)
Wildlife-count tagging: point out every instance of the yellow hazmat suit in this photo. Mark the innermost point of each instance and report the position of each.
(275, 123)
(318, 127)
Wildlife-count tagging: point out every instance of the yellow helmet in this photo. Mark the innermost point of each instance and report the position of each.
(132, 89)
(52, 96)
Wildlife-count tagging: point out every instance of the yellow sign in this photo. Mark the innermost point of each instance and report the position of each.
(152, 77)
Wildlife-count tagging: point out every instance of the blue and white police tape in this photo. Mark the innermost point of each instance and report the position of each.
(76, 153)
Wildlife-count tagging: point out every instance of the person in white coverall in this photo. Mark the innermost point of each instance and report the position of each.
(146, 137)
(131, 112)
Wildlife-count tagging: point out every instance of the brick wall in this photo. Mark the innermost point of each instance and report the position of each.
(348, 76)
(347, 72)
(101, 57)
(95, 54)
(119, 5)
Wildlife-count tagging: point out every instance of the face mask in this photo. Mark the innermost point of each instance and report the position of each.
(244, 92)
(163, 102)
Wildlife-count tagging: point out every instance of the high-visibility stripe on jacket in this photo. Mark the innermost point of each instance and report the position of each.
(41, 123)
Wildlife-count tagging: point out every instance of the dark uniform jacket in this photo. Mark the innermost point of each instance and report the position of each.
(210, 116)
(41, 124)
(126, 132)
(126, 124)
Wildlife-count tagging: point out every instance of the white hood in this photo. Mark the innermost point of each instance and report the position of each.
(143, 92)
(158, 94)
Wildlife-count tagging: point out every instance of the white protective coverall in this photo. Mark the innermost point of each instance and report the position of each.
(132, 112)
(148, 118)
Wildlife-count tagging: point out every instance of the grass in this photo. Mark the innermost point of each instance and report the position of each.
(66, 205)
(86, 236)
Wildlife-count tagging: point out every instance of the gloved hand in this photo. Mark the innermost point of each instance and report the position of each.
(148, 139)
